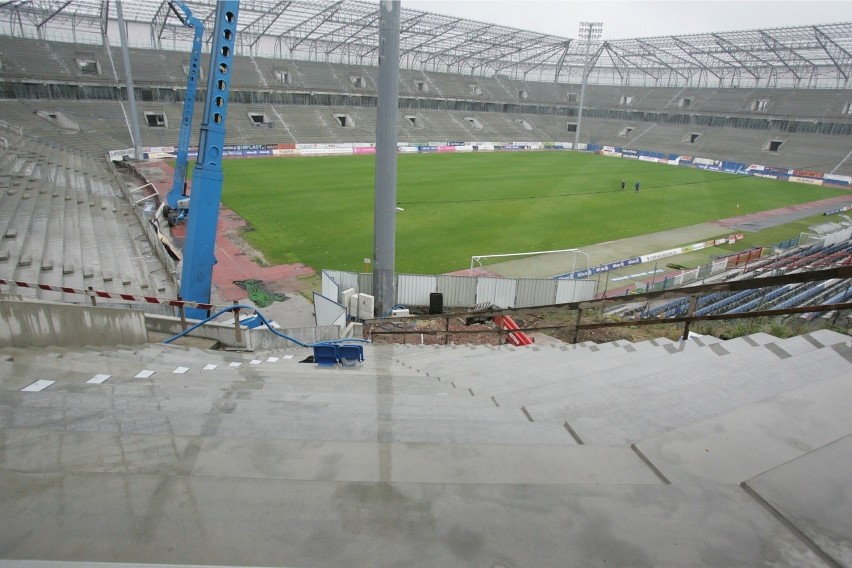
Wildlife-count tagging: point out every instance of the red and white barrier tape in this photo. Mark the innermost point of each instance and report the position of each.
(101, 294)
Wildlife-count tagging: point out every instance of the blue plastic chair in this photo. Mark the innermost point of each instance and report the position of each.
(350, 354)
(325, 355)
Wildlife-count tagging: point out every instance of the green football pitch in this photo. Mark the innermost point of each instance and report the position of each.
(319, 210)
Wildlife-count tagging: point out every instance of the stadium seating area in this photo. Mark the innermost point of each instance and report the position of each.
(780, 297)
(65, 222)
(729, 123)
(84, 127)
(654, 453)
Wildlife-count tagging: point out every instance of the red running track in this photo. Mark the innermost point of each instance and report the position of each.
(232, 263)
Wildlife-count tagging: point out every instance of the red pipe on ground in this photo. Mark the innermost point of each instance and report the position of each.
(515, 337)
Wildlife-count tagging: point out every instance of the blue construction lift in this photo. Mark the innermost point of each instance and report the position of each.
(177, 200)
(198, 250)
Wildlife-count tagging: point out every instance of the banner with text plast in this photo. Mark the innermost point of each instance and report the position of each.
(324, 151)
(585, 273)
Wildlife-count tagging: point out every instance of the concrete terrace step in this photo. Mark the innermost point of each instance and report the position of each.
(637, 366)
(483, 359)
(426, 357)
(284, 359)
(40, 451)
(364, 407)
(283, 376)
(676, 408)
(630, 380)
(534, 370)
(551, 371)
(341, 427)
(293, 385)
(273, 522)
(87, 240)
(585, 351)
(315, 383)
(742, 443)
(74, 384)
(375, 361)
(285, 370)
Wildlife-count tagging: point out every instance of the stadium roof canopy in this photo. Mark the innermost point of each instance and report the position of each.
(347, 31)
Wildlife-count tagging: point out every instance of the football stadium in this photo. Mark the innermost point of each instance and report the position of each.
(342, 283)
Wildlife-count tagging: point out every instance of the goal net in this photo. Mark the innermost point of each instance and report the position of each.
(534, 264)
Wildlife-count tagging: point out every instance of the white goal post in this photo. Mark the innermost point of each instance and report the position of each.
(477, 259)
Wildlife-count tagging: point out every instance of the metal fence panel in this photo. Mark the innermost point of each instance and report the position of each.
(458, 291)
(340, 322)
(330, 289)
(346, 280)
(536, 292)
(365, 283)
(497, 291)
(719, 265)
(466, 291)
(838, 237)
(414, 289)
(327, 311)
(575, 291)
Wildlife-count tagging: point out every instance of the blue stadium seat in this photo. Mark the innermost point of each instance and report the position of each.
(330, 354)
(325, 355)
(350, 354)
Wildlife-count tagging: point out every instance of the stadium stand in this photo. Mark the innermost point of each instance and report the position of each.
(119, 450)
(66, 223)
(789, 261)
(662, 119)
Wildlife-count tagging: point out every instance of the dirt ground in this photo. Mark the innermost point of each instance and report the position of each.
(551, 327)
(451, 331)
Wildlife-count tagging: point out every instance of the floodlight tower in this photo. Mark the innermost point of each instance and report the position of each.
(589, 31)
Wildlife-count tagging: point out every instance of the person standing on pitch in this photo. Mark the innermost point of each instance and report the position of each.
(622, 185)
(636, 188)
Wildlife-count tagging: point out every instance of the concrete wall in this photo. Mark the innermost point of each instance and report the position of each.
(259, 338)
(38, 324)
(33, 324)
(264, 339)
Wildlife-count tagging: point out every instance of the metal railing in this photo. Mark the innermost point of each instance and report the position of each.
(692, 292)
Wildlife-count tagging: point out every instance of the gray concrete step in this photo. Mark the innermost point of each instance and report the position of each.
(28, 450)
(359, 404)
(740, 444)
(322, 427)
(677, 407)
(622, 384)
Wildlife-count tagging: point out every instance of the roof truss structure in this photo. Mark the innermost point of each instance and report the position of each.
(347, 31)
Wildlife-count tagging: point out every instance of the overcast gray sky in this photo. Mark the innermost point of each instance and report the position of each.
(641, 18)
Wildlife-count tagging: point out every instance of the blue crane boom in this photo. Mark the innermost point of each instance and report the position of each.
(199, 258)
(179, 180)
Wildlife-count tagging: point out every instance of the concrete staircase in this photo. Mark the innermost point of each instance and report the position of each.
(65, 223)
(659, 453)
